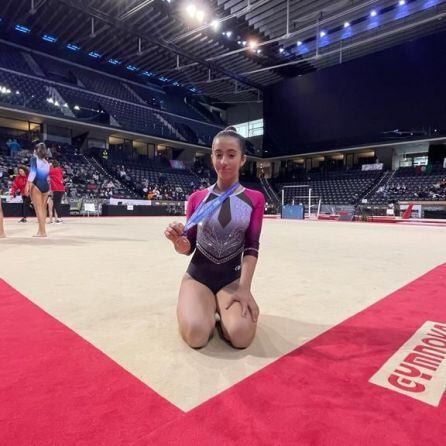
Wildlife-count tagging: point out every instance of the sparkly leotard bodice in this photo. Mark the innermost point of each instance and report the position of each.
(222, 238)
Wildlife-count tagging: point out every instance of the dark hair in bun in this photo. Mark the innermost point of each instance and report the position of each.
(41, 150)
(231, 132)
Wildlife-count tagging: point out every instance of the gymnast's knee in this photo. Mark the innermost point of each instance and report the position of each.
(240, 335)
(196, 334)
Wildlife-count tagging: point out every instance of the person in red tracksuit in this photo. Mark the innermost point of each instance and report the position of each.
(57, 188)
(19, 185)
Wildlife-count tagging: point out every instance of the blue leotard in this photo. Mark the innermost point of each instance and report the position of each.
(38, 174)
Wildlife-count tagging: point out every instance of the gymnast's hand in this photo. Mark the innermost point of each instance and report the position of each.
(173, 233)
(247, 302)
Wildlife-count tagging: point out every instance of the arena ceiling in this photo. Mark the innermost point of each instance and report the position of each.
(232, 49)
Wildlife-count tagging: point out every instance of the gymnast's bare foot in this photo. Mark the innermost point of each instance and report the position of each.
(38, 235)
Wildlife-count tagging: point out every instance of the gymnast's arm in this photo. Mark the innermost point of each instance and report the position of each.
(252, 237)
(183, 244)
(32, 174)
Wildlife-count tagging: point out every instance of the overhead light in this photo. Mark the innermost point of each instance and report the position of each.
(131, 68)
(56, 103)
(76, 107)
(252, 44)
(373, 13)
(228, 34)
(22, 29)
(49, 38)
(244, 42)
(191, 10)
(346, 24)
(114, 61)
(200, 15)
(215, 24)
(281, 50)
(322, 34)
(299, 43)
(94, 54)
(73, 47)
(17, 92)
(50, 100)
(402, 2)
(259, 51)
(65, 105)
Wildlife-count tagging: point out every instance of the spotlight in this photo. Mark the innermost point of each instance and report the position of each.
(191, 10)
(402, 2)
(252, 44)
(200, 15)
(215, 24)
(346, 24)
(322, 34)
(281, 50)
(76, 107)
(228, 34)
(299, 43)
(373, 13)
(259, 51)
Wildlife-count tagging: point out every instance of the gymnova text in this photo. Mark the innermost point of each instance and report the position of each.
(418, 368)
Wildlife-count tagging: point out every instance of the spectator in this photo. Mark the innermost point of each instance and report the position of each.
(14, 147)
(57, 188)
(19, 185)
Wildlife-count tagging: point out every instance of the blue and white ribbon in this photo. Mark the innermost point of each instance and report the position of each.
(207, 209)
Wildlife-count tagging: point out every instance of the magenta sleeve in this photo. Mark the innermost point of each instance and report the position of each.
(252, 235)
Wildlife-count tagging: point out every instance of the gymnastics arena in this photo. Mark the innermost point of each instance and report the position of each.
(294, 150)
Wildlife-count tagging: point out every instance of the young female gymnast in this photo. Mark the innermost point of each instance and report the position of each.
(225, 245)
(38, 186)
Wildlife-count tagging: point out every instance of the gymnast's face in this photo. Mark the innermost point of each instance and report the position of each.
(227, 158)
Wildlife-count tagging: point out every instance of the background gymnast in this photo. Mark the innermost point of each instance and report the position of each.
(38, 185)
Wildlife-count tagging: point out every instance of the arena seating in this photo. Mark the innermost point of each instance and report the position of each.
(12, 58)
(410, 183)
(171, 183)
(25, 92)
(101, 98)
(334, 187)
(82, 178)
